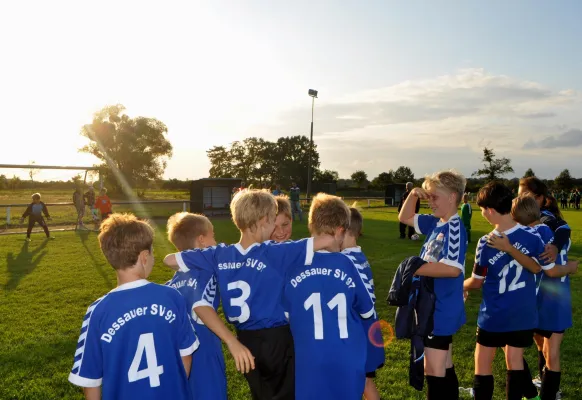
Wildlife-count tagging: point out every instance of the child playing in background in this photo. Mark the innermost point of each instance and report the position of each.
(137, 340)
(103, 204)
(79, 202)
(34, 213)
(89, 197)
(466, 215)
(375, 351)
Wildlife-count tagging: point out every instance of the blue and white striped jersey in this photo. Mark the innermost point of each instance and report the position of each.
(376, 353)
(449, 313)
(131, 343)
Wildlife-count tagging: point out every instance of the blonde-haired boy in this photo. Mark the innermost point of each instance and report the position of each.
(283, 221)
(325, 298)
(199, 288)
(444, 191)
(136, 317)
(375, 342)
(250, 278)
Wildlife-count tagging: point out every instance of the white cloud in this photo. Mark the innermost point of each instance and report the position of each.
(442, 123)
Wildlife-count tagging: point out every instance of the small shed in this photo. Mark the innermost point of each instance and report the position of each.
(212, 196)
(394, 192)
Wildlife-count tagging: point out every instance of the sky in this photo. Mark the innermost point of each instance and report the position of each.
(426, 84)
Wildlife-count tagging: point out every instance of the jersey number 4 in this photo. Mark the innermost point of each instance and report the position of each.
(339, 301)
(514, 285)
(152, 370)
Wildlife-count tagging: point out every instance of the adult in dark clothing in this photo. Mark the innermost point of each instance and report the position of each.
(34, 213)
(402, 199)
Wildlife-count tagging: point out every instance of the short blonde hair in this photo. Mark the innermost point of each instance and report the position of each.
(248, 207)
(123, 237)
(525, 210)
(184, 228)
(104, 190)
(451, 181)
(283, 205)
(356, 222)
(327, 213)
(36, 196)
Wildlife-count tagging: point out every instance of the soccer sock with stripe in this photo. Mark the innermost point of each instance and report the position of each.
(483, 387)
(436, 387)
(452, 383)
(550, 384)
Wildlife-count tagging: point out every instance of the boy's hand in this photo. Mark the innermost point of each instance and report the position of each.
(550, 254)
(501, 242)
(243, 358)
(465, 295)
(574, 266)
(420, 193)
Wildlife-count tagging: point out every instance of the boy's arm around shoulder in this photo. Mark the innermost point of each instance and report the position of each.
(196, 258)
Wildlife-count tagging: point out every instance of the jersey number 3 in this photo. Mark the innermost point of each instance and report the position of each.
(338, 301)
(153, 370)
(240, 301)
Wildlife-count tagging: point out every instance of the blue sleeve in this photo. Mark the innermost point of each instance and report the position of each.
(87, 369)
(538, 248)
(187, 339)
(424, 223)
(363, 303)
(456, 246)
(206, 291)
(480, 267)
(198, 258)
(283, 255)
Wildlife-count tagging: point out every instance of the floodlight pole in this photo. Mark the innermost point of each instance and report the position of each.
(313, 94)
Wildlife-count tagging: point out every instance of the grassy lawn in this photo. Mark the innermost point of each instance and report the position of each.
(47, 286)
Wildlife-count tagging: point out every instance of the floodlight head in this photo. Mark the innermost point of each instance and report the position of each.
(313, 93)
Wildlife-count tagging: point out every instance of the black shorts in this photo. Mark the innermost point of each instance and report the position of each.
(438, 342)
(546, 334)
(373, 373)
(274, 352)
(518, 339)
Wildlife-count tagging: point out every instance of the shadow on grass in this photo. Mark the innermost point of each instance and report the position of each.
(23, 264)
(84, 236)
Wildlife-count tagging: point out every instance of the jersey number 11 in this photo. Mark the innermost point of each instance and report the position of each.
(339, 301)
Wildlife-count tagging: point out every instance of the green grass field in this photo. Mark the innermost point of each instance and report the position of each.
(47, 286)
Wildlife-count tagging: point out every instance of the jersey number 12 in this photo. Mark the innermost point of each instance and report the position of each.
(339, 301)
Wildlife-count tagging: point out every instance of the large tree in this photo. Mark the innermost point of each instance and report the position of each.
(403, 175)
(360, 178)
(137, 147)
(326, 176)
(529, 173)
(493, 168)
(259, 161)
(383, 180)
(564, 180)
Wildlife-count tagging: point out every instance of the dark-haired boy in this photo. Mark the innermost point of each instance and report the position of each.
(508, 312)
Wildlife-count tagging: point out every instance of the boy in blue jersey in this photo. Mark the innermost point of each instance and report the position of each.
(444, 191)
(508, 312)
(283, 221)
(553, 299)
(325, 298)
(136, 341)
(199, 288)
(373, 333)
(250, 277)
